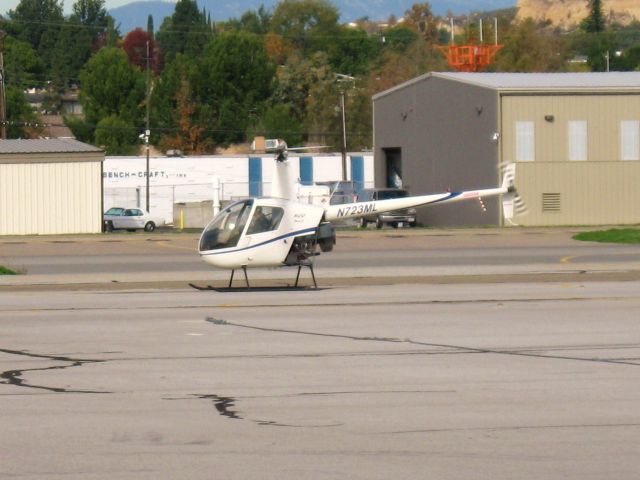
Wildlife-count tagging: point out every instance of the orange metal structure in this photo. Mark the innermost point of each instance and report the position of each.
(470, 58)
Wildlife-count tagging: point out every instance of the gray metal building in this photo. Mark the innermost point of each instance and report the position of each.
(51, 186)
(575, 138)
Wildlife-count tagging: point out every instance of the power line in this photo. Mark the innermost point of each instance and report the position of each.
(39, 124)
(211, 32)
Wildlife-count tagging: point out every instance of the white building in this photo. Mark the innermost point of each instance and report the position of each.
(192, 179)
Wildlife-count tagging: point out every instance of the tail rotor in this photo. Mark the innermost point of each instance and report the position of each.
(512, 202)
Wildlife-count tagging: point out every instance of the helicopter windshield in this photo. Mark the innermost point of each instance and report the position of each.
(225, 229)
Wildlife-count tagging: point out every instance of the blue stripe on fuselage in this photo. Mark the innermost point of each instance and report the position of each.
(451, 195)
(281, 237)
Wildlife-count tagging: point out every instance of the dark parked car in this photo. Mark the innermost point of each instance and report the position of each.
(341, 191)
(395, 218)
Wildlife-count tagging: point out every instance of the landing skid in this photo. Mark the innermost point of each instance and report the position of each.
(246, 279)
(310, 265)
(248, 286)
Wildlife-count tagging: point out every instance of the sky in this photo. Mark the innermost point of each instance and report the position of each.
(6, 5)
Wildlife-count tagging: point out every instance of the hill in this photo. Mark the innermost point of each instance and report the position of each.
(135, 14)
(569, 13)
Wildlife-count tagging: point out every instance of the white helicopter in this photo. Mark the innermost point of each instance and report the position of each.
(280, 231)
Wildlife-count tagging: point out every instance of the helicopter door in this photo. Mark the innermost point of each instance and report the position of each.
(265, 219)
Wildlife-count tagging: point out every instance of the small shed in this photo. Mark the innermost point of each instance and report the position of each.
(50, 186)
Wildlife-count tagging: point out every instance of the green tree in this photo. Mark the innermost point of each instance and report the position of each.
(353, 51)
(91, 13)
(150, 29)
(110, 86)
(22, 65)
(595, 21)
(397, 66)
(21, 118)
(113, 90)
(420, 19)
(600, 47)
(280, 121)
(189, 135)
(234, 81)
(529, 48)
(116, 136)
(112, 35)
(39, 23)
(91, 22)
(186, 31)
(359, 118)
(629, 60)
(35, 22)
(71, 52)
(222, 91)
(296, 80)
(399, 38)
(599, 42)
(254, 21)
(164, 99)
(81, 130)
(308, 25)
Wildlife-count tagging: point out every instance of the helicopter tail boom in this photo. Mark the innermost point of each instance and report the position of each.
(360, 209)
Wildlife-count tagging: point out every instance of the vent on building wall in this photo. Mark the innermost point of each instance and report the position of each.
(550, 202)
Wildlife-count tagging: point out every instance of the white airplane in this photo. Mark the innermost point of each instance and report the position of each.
(281, 231)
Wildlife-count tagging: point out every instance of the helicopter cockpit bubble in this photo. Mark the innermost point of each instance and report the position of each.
(225, 229)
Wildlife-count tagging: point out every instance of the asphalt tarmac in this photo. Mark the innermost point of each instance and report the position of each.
(118, 261)
(410, 378)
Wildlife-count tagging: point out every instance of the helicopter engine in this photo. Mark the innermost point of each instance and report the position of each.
(326, 237)
(304, 248)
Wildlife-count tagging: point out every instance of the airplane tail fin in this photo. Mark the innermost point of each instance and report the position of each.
(512, 202)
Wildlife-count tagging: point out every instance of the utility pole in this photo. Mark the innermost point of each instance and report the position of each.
(3, 115)
(344, 136)
(147, 131)
(343, 78)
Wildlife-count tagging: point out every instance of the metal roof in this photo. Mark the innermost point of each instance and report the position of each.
(551, 81)
(50, 145)
(537, 82)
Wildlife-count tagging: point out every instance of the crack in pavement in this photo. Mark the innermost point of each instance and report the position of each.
(512, 427)
(226, 407)
(16, 377)
(222, 322)
(238, 306)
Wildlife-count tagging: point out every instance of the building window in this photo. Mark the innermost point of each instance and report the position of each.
(630, 140)
(578, 140)
(525, 142)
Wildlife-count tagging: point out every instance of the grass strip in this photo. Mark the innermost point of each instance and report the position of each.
(7, 271)
(614, 235)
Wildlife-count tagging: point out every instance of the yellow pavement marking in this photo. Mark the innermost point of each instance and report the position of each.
(567, 259)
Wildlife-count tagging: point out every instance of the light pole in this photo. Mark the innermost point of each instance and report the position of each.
(343, 78)
(147, 131)
(3, 116)
(607, 57)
